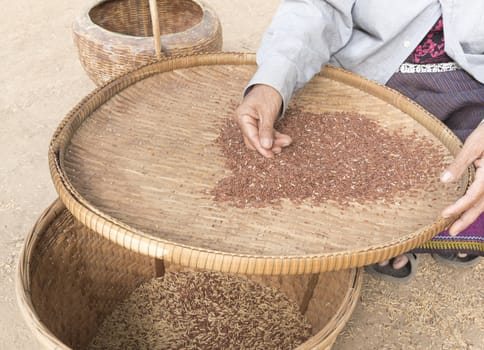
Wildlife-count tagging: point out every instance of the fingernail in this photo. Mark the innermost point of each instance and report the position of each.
(266, 143)
(446, 176)
(453, 232)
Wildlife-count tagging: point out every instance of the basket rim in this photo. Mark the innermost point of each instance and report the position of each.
(23, 283)
(186, 255)
(323, 339)
(85, 26)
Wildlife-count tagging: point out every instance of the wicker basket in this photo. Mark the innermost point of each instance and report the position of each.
(115, 36)
(70, 278)
(134, 161)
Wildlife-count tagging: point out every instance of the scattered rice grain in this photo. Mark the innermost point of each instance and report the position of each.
(340, 157)
(203, 310)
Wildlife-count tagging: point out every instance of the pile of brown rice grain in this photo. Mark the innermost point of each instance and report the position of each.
(203, 310)
(341, 157)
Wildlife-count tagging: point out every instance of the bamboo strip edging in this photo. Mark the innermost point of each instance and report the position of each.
(186, 255)
(155, 21)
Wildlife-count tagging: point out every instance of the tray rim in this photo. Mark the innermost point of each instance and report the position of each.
(196, 257)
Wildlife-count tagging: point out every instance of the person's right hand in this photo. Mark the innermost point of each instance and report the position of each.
(256, 116)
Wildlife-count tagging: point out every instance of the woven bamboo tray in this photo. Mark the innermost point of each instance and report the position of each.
(70, 278)
(134, 161)
(115, 36)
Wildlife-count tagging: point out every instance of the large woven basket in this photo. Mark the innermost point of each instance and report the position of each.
(70, 278)
(115, 36)
(134, 161)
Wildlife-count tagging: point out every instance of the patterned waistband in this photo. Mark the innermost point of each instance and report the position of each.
(429, 68)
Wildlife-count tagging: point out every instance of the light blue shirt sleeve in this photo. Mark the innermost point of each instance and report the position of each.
(301, 38)
(371, 38)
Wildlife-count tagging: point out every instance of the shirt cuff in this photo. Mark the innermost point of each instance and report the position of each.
(278, 73)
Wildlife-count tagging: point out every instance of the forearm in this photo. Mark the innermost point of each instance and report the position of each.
(301, 38)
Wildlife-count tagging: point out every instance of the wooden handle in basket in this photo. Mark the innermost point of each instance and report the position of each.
(155, 21)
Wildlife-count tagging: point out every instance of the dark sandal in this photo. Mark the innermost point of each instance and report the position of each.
(453, 259)
(390, 274)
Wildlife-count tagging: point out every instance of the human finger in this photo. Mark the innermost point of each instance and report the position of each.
(276, 149)
(281, 140)
(250, 132)
(464, 220)
(474, 194)
(472, 150)
(266, 131)
(248, 144)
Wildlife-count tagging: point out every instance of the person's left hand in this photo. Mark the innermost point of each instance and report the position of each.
(471, 205)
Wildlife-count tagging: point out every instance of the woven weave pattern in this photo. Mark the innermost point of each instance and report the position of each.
(70, 279)
(135, 162)
(115, 36)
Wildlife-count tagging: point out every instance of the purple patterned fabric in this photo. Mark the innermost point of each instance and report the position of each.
(470, 241)
(457, 99)
(431, 48)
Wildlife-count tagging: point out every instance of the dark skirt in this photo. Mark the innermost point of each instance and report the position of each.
(456, 99)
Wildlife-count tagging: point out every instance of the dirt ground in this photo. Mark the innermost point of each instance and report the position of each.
(41, 80)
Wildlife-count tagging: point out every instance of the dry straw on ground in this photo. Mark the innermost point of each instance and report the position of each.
(416, 316)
